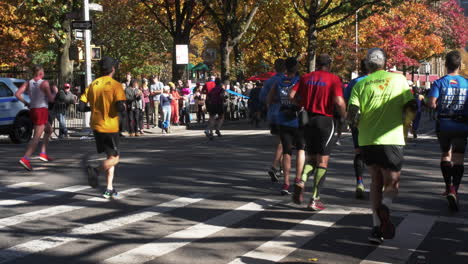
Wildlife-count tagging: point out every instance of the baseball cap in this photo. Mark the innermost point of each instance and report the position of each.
(67, 85)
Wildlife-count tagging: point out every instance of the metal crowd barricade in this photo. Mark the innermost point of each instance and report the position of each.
(73, 118)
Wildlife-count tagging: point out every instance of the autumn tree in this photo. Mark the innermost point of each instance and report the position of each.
(178, 18)
(313, 11)
(125, 31)
(233, 18)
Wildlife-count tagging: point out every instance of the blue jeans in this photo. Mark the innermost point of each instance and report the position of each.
(166, 116)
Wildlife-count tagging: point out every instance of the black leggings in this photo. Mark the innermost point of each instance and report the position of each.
(134, 120)
(149, 114)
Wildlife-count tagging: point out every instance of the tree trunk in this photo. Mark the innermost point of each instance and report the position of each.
(66, 65)
(178, 70)
(312, 46)
(239, 63)
(225, 60)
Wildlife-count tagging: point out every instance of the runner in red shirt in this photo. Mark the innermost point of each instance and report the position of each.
(210, 84)
(318, 92)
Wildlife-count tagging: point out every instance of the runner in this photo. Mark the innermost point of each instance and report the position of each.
(358, 163)
(289, 131)
(319, 92)
(106, 98)
(386, 104)
(448, 96)
(40, 94)
(215, 107)
(275, 171)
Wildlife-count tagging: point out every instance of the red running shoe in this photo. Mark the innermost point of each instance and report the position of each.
(45, 157)
(26, 164)
(316, 205)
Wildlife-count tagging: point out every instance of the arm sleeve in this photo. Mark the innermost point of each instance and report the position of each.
(337, 87)
(435, 90)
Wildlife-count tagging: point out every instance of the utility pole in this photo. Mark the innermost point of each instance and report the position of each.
(87, 50)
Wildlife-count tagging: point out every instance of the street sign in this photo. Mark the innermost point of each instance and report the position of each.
(95, 7)
(82, 24)
(182, 54)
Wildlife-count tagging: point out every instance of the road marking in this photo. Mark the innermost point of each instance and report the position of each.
(179, 239)
(55, 210)
(56, 240)
(289, 241)
(19, 186)
(43, 195)
(409, 235)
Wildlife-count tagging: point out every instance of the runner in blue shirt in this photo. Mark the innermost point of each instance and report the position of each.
(358, 162)
(275, 170)
(448, 96)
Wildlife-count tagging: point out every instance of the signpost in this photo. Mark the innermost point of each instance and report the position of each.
(182, 54)
(82, 24)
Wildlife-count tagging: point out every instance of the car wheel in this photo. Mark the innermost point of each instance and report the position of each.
(22, 130)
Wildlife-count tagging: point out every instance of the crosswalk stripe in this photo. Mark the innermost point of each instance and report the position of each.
(55, 210)
(291, 240)
(19, 186)
(38, 196)
(409, 235)
(53, 241)
(179, 239)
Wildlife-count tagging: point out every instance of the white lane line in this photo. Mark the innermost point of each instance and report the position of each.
(38, 196)
(409, 235)
(56, 240)
(55, 210)
(19, 186)
(179, 239)
(289, 241)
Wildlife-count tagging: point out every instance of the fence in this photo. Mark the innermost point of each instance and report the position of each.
(73, 118)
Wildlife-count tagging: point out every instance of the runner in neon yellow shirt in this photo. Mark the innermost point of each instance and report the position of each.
(382, 99)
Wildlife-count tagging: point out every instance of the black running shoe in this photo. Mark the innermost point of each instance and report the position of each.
(375, 236)
(93, 174)
(110, 194)
(218, 133)
(274, 174)
(386, 226)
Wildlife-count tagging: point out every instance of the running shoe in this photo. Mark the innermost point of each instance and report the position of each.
(209, 134)
(274, 174)
(375, 236)
(93, 174)
(26, 164)
(360, 191)
(386, 226)
(110, 194)
(285, 189)
(298, 196)
(45, 157)
(453, 199)
(316, 205)
(218, 133)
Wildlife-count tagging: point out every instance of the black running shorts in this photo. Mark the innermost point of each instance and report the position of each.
(107, 142)
(215, 109)
(274, 129)
(385, 156)
(319, 135)
(455, 140)
(291, 136)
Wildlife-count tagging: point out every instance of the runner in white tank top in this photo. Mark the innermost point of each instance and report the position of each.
(41, 94)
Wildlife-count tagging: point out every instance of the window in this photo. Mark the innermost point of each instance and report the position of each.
(5, 91)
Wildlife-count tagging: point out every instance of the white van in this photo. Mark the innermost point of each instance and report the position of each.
(14, 115)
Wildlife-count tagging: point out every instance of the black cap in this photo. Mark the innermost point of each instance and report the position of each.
(106, 64)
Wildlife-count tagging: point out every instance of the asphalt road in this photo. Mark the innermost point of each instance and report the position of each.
(186, 199)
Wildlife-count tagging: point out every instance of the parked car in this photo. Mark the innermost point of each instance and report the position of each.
(14, 115)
